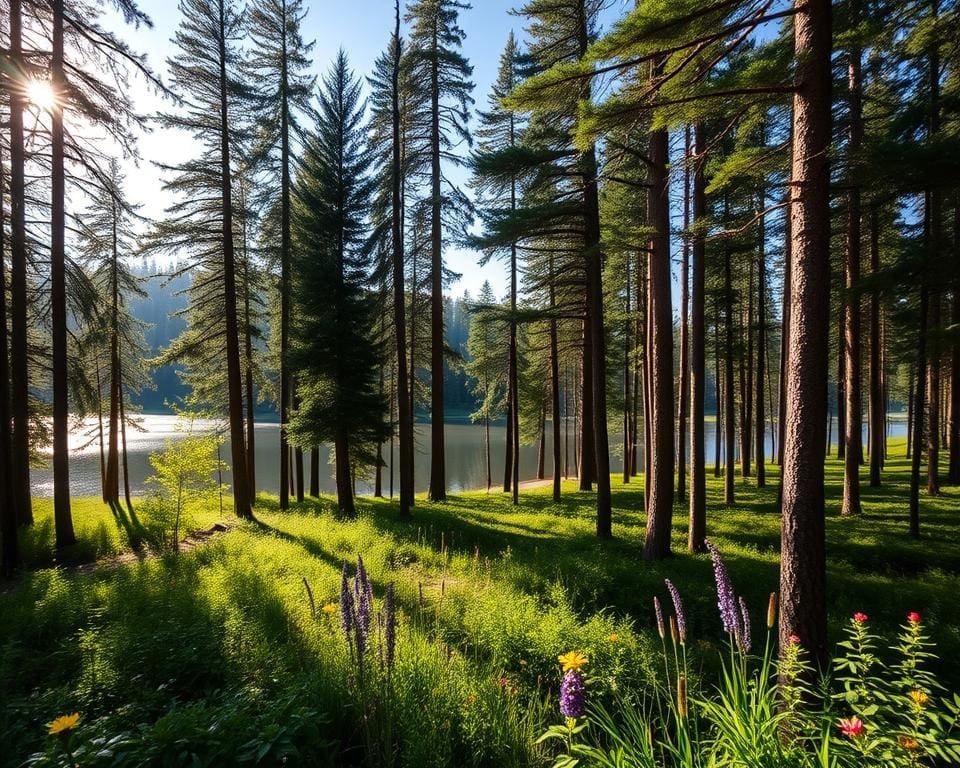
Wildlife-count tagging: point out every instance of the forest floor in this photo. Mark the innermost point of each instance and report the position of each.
(162, 654)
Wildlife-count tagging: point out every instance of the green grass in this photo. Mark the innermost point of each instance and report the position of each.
(215, 652)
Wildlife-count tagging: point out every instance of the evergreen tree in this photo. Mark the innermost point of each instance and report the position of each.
(335, 352)
(435, 59)
(277, 67)
(201, 223)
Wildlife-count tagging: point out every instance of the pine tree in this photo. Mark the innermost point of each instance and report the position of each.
(435, 59)
(277, 67)
(201, 224)
(335, 352)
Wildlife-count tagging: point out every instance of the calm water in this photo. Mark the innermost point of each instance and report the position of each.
(466, 465)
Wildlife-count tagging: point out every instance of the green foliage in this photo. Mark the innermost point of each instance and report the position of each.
(184, 476)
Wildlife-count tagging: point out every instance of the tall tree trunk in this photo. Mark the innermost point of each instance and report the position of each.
(542, 444)
(697, 528)
(803, 567)
(627, 377)
(124, 457)
(660, 508)
(250, 399)
(918, 402)
(684, 385)
(112, 475)
(378, 470)
(841, 380)
(729, 426)
(877, 416)
(717, 392)
(19, 326)
(315, 471)
(103, 458)
(404, 405)
(344, 478)
(286, 379)
(63, 520)
(241, 489)
(853, 387)
(438, 470)
(784, 340)
(585, 465)
(934, 243)
(746, 383)
(10, 555)
(555, 395)
(761, 369)
(953, 471)
(486, 444)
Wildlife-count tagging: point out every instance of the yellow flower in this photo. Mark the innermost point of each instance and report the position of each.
(907, 742)
(613, 638)
(64, 724)
(918, 697)
(572, 660)
(329, 608)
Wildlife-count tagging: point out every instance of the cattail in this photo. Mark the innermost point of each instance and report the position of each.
(682, 697)
(772, 610)
(678, 608)
(674, 633)
(390, 625)
(659, 614)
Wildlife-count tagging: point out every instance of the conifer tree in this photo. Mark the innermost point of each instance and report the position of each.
(277, 69)
(335, 352)
(435, 42)
(201, 223)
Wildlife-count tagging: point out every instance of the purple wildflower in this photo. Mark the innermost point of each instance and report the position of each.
(346, 602)
(573, 694)
(744, 638)
(678, 609)
(726, 599)
(364, 597)
(659, 612)
(390, 628)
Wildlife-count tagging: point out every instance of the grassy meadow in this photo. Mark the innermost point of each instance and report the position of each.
(221, 655)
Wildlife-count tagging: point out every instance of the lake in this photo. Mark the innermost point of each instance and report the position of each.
(466, 468)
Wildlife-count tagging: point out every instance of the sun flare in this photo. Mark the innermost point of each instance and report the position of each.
(40, 94)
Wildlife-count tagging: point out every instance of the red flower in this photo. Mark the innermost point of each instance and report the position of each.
(860, 618)
(913, 617)
(851, 726)
(794, 639)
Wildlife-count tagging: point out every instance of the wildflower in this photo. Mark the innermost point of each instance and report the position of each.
(658, 611)
(572, 661)
(851, 727)
(682, 697)
(744, 638)
(913, 617)
(64, 724)
(860, 618)
(726, 600)
(613, 637)
(573, 694)
(794, 639)
(908, 742)
(678, 609)
(346, 602)
(364, 597)
(329, 608)
(390, 628)
(772, 610)
(919, 698)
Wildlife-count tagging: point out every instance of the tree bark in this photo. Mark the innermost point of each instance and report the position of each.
(286, 380)
(877, 416)
(63, 520)
(852, 389)
(803, 546)
(555, 395)
(10, 556)
(729, 425)
(660, 508)
(953, 471)
(241, 489)
(19, 326)
(761, 369)
(404, 405)
(438, 470)
(112, 475)
(697, 528)
(683, 393)
(344, 479)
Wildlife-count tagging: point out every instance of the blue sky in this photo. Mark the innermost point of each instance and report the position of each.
(362, 28)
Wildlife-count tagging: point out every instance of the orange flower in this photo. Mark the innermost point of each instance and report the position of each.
(572, 660)
(919, 698)
(64, 724)
(908, 742)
